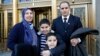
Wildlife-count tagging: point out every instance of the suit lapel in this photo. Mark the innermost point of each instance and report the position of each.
(69, 21)
(61, 22)
(67, 24)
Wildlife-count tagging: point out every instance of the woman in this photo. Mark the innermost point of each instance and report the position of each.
(23, 33)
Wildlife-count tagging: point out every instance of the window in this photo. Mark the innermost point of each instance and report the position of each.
(7, 1)
(24, 0)
(80, 11)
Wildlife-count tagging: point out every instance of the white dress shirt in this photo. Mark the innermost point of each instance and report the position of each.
(66, 17)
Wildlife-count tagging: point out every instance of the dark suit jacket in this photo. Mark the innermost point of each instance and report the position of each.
(16, 36)
(73, 24)
(55, 51)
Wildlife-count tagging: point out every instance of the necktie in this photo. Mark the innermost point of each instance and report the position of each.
(65, 20)
(65, 23)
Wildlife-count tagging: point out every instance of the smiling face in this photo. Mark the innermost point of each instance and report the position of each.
(51, 42)
(28, 15)
(64, 9)
(45, 28)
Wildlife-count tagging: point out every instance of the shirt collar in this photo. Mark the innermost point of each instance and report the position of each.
(65, 17)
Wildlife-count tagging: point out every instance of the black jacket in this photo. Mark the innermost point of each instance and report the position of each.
(80, 50)
(16, 36)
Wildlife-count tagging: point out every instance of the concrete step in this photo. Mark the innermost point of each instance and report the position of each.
(5, 53)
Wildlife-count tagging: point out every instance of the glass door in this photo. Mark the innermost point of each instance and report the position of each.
(5, 26)
(9, 21)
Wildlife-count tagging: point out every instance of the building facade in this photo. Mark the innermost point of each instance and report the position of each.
(10, 14)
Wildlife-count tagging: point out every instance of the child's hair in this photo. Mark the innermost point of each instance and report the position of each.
(50, 34)
(44, 21)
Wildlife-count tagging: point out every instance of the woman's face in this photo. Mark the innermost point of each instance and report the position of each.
(28, 15)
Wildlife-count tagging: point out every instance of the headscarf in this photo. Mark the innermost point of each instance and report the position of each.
(30, 36)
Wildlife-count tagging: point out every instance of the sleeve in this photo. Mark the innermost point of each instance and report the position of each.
(79, 25)
(59, 49)
(12, 37)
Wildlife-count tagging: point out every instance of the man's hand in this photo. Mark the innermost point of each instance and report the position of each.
(45, 53)
(74, 41)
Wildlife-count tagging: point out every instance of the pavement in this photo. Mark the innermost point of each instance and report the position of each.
(7, 53)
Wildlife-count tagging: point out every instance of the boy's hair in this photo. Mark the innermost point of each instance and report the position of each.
(50, 34)
(44, 21)
(53, 34)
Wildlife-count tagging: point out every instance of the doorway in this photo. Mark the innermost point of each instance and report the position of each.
(41, 13)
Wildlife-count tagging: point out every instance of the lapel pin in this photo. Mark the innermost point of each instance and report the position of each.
(68, 23)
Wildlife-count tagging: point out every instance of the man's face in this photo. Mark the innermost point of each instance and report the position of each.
(64, 9)
(45, 28)
(51, 42)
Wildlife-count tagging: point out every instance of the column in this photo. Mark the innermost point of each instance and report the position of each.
(34, 17)
(15, 13)
(96, 16)
(0, 2)
(54, 9)
(5, 24)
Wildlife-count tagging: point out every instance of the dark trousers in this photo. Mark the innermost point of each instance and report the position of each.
(25, 50)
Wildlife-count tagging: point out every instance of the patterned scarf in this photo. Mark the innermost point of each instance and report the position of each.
(30, 36)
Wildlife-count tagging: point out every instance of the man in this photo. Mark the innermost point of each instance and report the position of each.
(65, 25)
